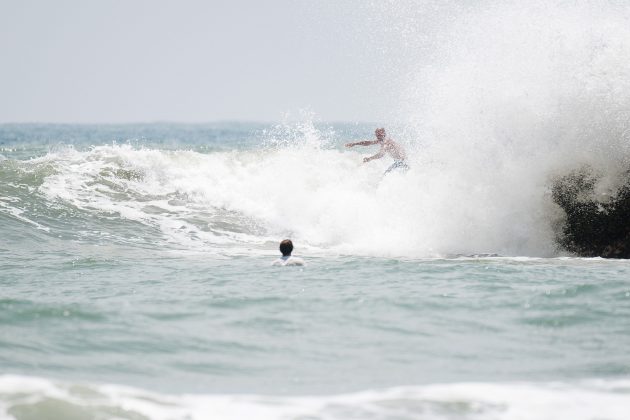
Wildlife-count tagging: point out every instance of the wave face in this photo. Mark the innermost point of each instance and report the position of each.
(323, 197)
(229, 201)
(225, 201)
(27, 398)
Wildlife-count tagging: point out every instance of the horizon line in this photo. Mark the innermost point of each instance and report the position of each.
(171, 122)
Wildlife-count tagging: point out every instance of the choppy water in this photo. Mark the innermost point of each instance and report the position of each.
(135, 283)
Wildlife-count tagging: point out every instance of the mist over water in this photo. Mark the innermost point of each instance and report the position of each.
(498, 99)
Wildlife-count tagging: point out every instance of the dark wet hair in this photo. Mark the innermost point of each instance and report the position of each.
(286, 247)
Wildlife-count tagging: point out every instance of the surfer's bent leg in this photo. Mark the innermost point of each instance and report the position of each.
(397, 164)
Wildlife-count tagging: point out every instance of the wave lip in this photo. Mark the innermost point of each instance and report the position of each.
(30, 397)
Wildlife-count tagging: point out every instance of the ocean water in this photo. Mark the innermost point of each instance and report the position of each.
(136, 283)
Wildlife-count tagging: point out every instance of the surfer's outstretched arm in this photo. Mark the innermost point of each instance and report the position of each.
(362, 143)
(376, 156)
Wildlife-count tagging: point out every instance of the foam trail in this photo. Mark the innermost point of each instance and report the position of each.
(17, 213)
(588, 400)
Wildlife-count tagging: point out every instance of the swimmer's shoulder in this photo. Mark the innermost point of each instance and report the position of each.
(295, 261)
(279, 261)
(288, 261)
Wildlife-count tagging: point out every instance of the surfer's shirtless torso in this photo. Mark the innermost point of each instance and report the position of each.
(388, 146)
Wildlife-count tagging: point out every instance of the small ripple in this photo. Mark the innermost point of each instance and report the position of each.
(18, 311)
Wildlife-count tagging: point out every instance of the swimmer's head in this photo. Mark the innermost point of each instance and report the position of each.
(380, 133)
(286, 247)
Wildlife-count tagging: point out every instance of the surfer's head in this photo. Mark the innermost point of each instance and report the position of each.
(380, 133)
(286, 247)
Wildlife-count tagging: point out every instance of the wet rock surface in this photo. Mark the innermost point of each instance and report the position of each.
(596, 224)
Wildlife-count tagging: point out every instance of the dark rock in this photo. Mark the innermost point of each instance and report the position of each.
(595, 225)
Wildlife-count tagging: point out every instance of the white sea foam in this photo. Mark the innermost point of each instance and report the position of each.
(585, 400)
(18, 214)
(325, 199)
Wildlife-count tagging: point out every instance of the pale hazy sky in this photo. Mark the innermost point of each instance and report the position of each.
(196, 61)
(81, 61)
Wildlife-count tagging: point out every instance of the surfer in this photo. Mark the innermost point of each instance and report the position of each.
(395, 150)
(286, 247)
